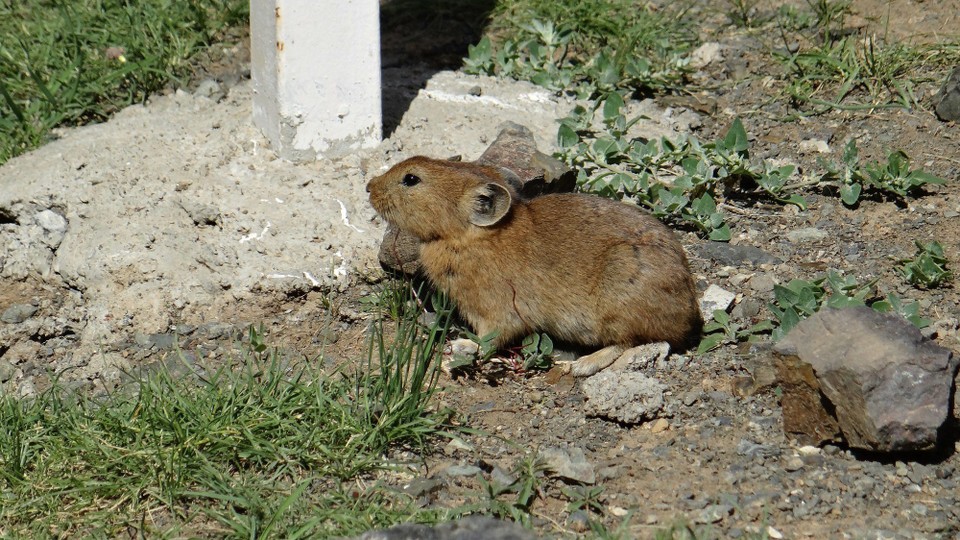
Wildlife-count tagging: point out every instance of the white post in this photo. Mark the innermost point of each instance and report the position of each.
(315, 66)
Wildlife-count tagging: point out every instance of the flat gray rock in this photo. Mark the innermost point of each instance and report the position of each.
(468, 528)
(570, 464)
(18, 313)
(738, 255)
(886, 387)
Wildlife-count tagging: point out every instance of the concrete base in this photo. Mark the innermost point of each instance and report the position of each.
(316, 75)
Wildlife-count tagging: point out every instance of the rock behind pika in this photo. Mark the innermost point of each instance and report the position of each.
(583, 269)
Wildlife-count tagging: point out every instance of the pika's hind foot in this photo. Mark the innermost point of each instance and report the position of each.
(588, 365)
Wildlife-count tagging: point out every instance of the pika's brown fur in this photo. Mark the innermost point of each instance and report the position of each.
(583, 269)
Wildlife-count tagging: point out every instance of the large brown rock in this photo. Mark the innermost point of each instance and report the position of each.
(514, 150)
(869, 378)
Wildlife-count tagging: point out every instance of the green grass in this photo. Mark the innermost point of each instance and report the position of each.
(59, 61)
(254, 452)
(836, 68)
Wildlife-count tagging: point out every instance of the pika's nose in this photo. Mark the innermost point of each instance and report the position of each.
(368, 187)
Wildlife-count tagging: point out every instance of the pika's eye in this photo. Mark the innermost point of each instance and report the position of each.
(410, 180)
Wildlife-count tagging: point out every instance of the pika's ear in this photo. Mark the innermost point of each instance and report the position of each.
(490, 203)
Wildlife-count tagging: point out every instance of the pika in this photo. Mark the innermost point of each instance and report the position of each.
(586, 270)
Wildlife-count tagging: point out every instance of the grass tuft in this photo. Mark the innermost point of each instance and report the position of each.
(257, 451)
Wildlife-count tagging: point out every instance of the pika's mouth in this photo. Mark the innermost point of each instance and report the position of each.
(384, 208)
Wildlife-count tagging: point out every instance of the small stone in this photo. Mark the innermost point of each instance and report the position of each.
(773, 533)
(793, 464)
(462, 470)
(502, 477)
(706, 54)
(457, 445)
(475, 90)
(755, 450)
(51, 221)
(207, 88)
(572, 464)
(714, 513)
(164, 341)
(738, 255)
(748, 308)
(814, 146)
(715, 298)
(947, 100)
(642, 357)
(418, 487)
(659, 425)
(7, 370)
(579, 521)
(617, 511)
(691, 397)
(762, 283)
(625, 396)
(18, 313)
(201, 214)
(806, 235)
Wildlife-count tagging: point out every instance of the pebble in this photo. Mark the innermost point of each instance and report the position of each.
(715, 298)
(578, 521)
(7, 371)
(572, 464)
(419, 487)
(502, 477)
(747, 308)
(659, 425)
(806, 235)
(754, 450)
(462, 470)
(51, 221)
(814, 146)
(762, 283)
(793, 463)
(456, 445)
(714, 513)
(18, 313)
(691, 397)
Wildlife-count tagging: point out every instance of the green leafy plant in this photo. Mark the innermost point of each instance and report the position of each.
(513, 500)
(928, 267)
(678, 180)
(537, 351)
(910, 312)
(588, 48)
(722, 329)
(743, 12)
(799, 299)
(894, 177)
(584, 498)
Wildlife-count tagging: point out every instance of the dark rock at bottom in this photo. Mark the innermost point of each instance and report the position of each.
(468, 528)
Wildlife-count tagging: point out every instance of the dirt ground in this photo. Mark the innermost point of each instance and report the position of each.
(174, 225)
